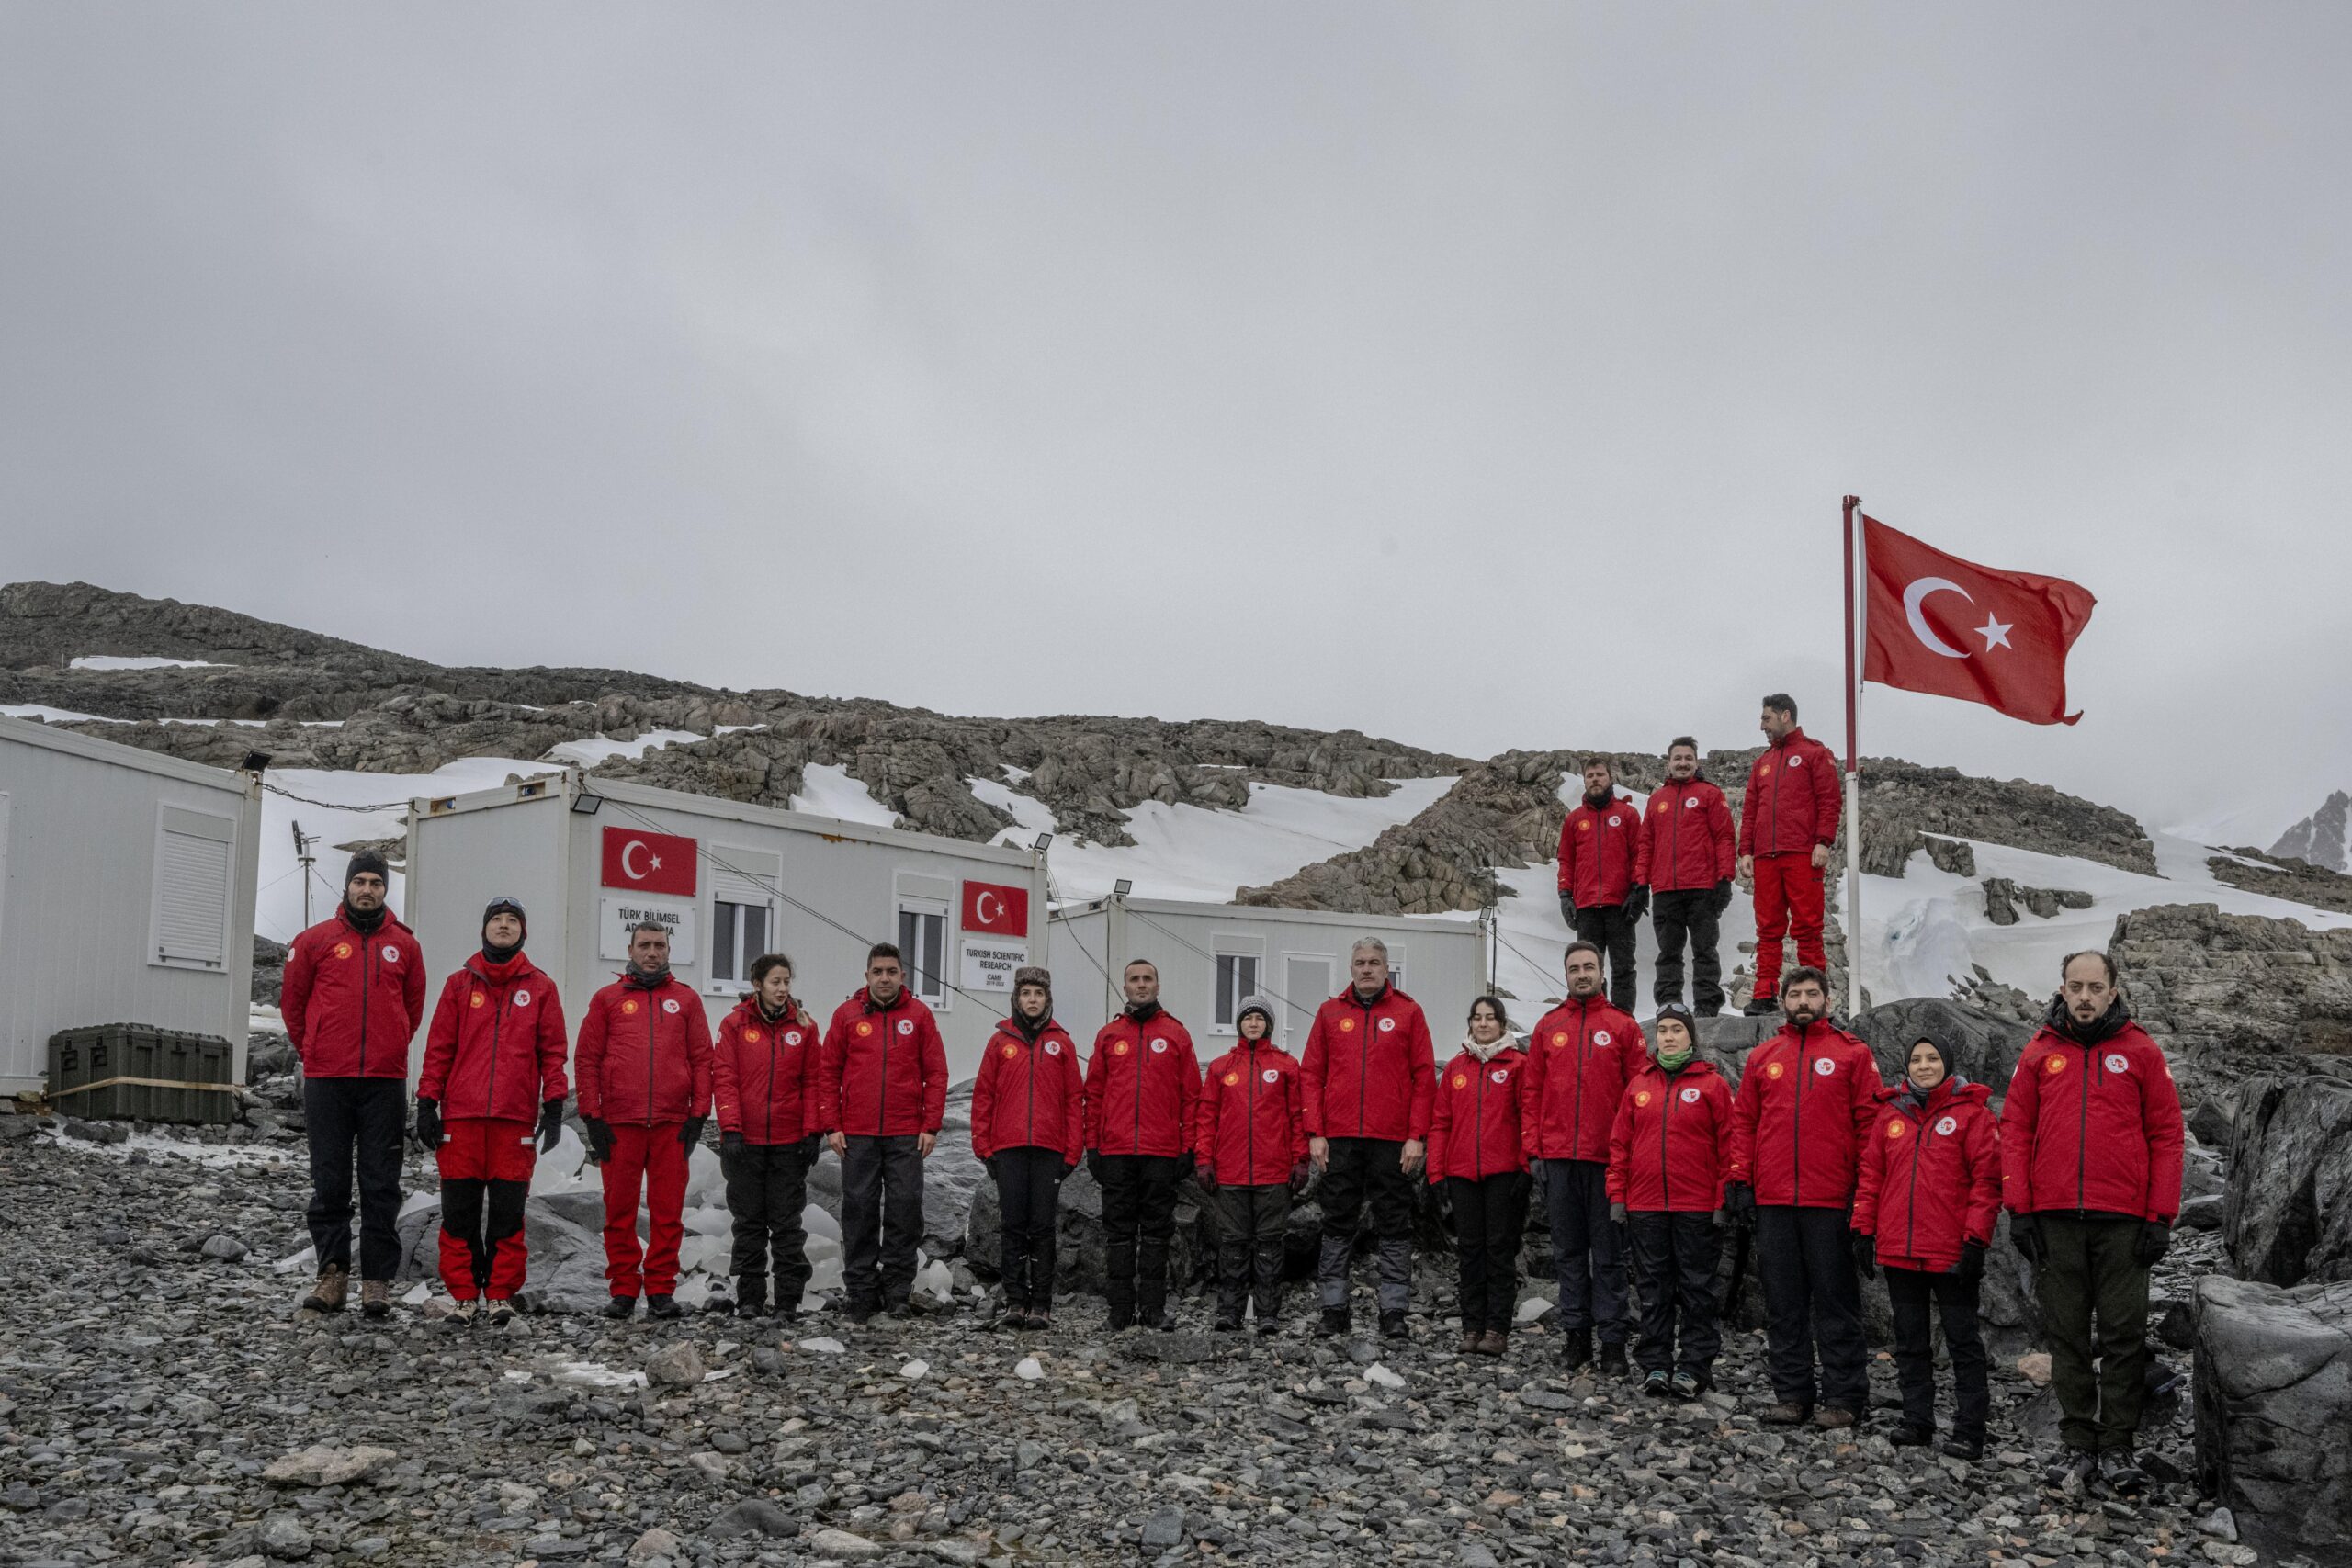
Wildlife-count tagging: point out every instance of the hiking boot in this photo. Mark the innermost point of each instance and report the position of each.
(2120, 1473)
(1392, 1325)
(328, 1293)
(900, 1310)
(1657, 1384)
(1267, 1327)
(1958, 1447)
(1473, 1341)
(1760, 1007)
(464, 1313)
(499, 1314)
(1578, 1351)
(751, 1296)
(1788, 1413)
(1686, 1384)
(1612, 1359)
(1494, 1342)
(1335, 1321)
(1906, 1436)
(1123, 1316)
(2071, 1471)
(1227, 1323)
(1158, 1319)
(860, 1312)
(1831, 1418)
(376, 1297)
(663, 1307)
(621, 1306)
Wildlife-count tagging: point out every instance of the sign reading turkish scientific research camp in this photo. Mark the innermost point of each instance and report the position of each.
(621, 913)
(995, 937)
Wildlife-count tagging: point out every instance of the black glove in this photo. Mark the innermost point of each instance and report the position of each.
(1186, 1164)
(988, 1161)
(1298, 1175)
(1567, 907)
(1722, 896)
(1069, 1168)
(1972, 1261)
(2155, 1238)
(428, 1123)
(1637, 903)
(1094, 1165)
(600, 1138)
(691, 1133)
(812, 1147)
(729, 1144)
(1207, 1178)
(550, 1124)
(1739, 1202)
(1865, 1254)
(2024, 1234)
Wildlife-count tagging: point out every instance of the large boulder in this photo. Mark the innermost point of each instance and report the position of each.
(2288, 1215)
(2274, 1404)
(1982, 1046)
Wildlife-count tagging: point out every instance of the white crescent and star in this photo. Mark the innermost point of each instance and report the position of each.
(1995, 632)
(653, 861)
(980, 908)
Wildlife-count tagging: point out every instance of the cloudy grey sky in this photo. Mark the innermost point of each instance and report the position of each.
(1480, 376)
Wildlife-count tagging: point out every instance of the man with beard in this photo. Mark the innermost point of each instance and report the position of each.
(1600, 894)
(1688, 852)
(1143, 1088)
(881, 1098)
(1788, 825)
(2091, 1158)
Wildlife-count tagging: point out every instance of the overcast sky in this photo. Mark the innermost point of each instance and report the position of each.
(1477, 375)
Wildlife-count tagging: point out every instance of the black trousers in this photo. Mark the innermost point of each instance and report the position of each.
(767, 1192)
(1910, 1292)
(1361, 1171)
(881, 1218)
(1250, 1221)
(485, 1213)
(1138, 1223)
(1673, 916)
(1586, 1257)
(2092, 1276)
(1674, 1270)
(1490, 1224)
(1609, 928)
(1812, 1300)
(1028, 1201)
(361, 1120)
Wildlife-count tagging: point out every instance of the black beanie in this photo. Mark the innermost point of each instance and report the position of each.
(1678, 1011)
(510, 906)
(363, 862)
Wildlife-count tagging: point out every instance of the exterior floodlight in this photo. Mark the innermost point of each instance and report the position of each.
(1123, 888)
(1043, 839)
(586, 804)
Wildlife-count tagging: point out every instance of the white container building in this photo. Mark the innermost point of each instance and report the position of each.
(126, 893)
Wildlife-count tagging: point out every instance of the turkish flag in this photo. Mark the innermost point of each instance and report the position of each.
(996, 907)
(649, 863)
(1951, 629)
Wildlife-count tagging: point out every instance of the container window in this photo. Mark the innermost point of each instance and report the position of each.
(923, 943)
(188, 928)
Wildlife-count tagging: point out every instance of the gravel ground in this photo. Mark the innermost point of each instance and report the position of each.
(155, 1381)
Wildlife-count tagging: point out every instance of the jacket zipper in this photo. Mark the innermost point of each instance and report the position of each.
(1478, 1134)
(649, 1010)
(1250, 1119)
(366, 958)
(1139, 1066)
(1673, 843)
(882, 1084)
(1034, 1054)
(490, 1097)
(2082, 1134)
(1796, 1130)
(1911, 1213)
(775, 1042)
(1363, 1060)
(1665, 1173)
(1584, 1065)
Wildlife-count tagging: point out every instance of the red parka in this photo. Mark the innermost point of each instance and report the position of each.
(1687, 843)
(644, 1055)
(1598, 848)
(1669, 1148)
(1369, 1068)
(884, 1072)
(763, 1073)
(1579, 1059)
(1791, 800)
(1474, 1121)
(1143, 1087)
(1253, 1126)
(1031, 1094)
(352, 1000)
(1807, 1100)
(1931, 1176)
(2092, 1129)
(497, 1044)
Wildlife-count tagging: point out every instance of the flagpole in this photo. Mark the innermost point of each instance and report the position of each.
(1856, 570)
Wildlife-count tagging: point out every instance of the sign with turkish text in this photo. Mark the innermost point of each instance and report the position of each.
(989, 964)
(996, 908)
(623, 912)
(649, 863)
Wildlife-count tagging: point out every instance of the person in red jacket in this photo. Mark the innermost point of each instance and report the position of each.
(1689, 853)
(2091, 1144)
(1788, 824)
(1600, 895)
(1029, 1128)
(1251, 1138)
(1808, 1098)
(1669, 1153)
(881, 1097)
(1477, 1156)
(1143, 1087)
(1579, 1061)
(763, 1085)
(644, 1069)
(494, 1067)
(1928, 1192)
(353, 996)
(1368, 1070)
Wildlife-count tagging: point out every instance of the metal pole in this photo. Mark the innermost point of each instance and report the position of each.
(1857, 593)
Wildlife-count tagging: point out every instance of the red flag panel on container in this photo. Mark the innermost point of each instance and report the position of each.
(649, 863)
(997, 907)
(1951, 629)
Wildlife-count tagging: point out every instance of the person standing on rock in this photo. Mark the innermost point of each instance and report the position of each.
(1477, 1157)
(1143, 1090)
(1029, 1128)
(1788, 825)
(2091, 1152)
(1929, 1191)
(763, 1071)
(492, 1088)
(644, 1069)
(352, 998)
(1808, 1098)
(1251, 1137)
(1670, 1156)
(1369, 1073)
(882, 1095)
(1579, 1059)
(1690, 851)
(1601, 896)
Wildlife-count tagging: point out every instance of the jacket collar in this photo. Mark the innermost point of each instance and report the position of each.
(506, 974)
(2098, 1031)
(866, 999)
(1796, 733)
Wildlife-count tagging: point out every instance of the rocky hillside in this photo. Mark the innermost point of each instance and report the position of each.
(2324, 838)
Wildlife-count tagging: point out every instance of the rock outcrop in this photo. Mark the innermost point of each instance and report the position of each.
(2245, 987)
(2003, 899)
(2274, 1403)
(2288, 1215)
(2281, 876)
(2322, 837)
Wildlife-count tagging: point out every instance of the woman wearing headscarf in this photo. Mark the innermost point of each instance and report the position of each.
(1479, 1159)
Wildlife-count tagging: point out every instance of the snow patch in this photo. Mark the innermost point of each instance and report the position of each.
(122, 661)
(51, 715)
(588, 753)
(827, 790)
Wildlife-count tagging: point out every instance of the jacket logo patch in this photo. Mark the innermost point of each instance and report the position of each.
(1011, 1051)
(1690, 1096)
(1232, 1078)
(629, 1007)
(1641, 1096)
(1462, 1080)
(1347, 1026)
(391, 953)
(1824, 1067)
(906, 1026)
(669, 1004)
(1160, 1048)
(1271, 1075)
(792, 1037)
(752, 1036)
(1559, 1039)
(1949, 1125)
(2117, 1062)
(478, 998)
(1501, 1075)
(1613, 821)
(1895, 1128)
(1386, 1024)
(1118, 1047)
(522, 998)
(864, 1029)
(1690, 801)
(1585, 826)
(1796, 761)
(343, 950)
(1662, 805)
(1601, 1037)
(2056, 1064)
(1053, 1047)
(1773, 1069)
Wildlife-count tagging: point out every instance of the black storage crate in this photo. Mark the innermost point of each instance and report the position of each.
(81, 1058)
